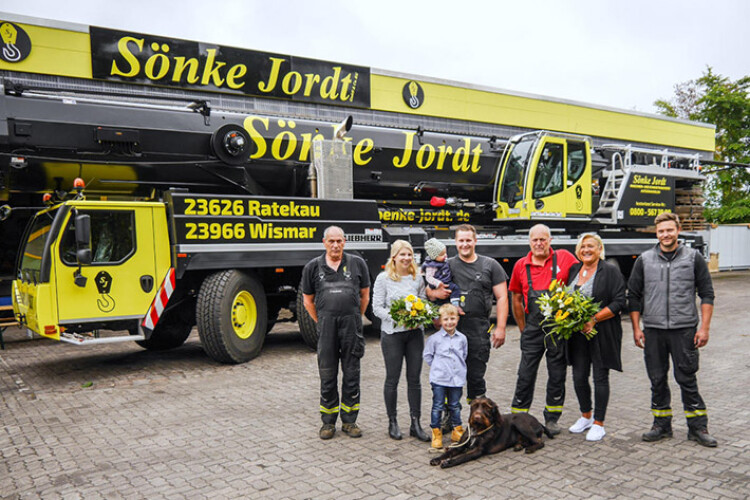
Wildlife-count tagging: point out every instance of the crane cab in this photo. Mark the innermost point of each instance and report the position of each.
(544, 175)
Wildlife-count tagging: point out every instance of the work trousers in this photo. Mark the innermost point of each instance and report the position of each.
(579, 352)
(534, 345)
(397, 347)
(476, 331)
(340, 341)
(678, 343)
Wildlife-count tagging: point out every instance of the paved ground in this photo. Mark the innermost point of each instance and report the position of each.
(118, 422)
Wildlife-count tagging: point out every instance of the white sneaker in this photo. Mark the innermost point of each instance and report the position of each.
(596, 433)
(581, 425)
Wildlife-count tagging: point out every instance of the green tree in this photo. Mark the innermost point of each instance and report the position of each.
(716, 99)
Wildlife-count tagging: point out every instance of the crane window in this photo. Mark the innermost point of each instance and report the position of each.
(515, 172)
(576, 161)
(549, 171)
(112, 237)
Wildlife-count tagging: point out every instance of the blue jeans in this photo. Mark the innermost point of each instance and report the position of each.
(439, 395)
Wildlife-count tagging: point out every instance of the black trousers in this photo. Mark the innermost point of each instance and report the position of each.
(397, 347)
(678, 343)
(340, 341)
(534, 345)
(580, 355)
(476, 330)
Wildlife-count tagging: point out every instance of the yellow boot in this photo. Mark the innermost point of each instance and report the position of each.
(458, 431)
(437, 439)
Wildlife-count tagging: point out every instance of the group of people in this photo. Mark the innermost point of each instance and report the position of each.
(661, 295)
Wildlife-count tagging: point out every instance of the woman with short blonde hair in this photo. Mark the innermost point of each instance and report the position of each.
(602, 282)
(400, 279)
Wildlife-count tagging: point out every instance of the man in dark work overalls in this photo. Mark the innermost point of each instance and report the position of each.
(336, 290)
(531, 278)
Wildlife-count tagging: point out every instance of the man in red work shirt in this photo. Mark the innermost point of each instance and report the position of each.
(531, 278)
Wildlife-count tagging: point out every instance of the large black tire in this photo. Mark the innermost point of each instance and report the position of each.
(231, 316)
(171, 331)
(307, 327)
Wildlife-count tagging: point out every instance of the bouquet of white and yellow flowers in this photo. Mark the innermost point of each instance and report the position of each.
(566, 311)
(413, 312)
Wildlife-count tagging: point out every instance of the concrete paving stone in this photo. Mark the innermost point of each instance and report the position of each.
(205, 427)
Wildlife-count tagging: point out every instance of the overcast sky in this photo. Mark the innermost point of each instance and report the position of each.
(624, 54)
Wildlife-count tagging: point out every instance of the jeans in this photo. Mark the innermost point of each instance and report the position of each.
(439, 395)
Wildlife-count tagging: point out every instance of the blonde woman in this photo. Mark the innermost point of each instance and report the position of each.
(604, 284)
(400, 279)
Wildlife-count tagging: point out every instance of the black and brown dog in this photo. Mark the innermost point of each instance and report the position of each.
(490, 432)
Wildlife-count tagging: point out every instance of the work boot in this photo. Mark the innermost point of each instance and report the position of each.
(702, 437)
(416, 430)
(327, 431)
(437, 439)
(351, 430)
(656, 433)
(393, 429)
(458, 431)
(553, 427)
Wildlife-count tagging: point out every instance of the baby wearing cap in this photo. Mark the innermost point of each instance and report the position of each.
(437, 270)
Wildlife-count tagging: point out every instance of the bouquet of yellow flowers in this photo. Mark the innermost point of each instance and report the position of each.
(413, 312)
(566, 311)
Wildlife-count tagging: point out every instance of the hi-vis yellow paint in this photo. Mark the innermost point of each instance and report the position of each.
(37, 306)
(55, 52)
(573, 199)
(126, 299)
(47, 307)
(448, 101)
(68, 53)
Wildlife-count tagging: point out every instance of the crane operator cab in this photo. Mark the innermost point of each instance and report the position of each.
(544, 175)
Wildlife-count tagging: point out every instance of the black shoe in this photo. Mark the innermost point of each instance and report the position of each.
(553, 427)
(393, 429)
(416, 430)
(656, 434)
(702, 437)
(327, 431)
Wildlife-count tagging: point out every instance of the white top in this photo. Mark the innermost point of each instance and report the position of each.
(386, 291)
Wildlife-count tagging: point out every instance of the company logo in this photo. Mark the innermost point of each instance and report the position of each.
(413, 94)
(16, 44)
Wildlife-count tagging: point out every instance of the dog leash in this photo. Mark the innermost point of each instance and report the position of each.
(459, 445)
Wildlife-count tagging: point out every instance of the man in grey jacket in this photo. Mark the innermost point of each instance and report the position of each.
(662, 293)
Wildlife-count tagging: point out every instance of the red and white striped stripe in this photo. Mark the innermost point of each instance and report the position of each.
(160, 301)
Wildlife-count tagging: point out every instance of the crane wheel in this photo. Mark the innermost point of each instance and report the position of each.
(307, 327)
(231, 316)
(171, 331)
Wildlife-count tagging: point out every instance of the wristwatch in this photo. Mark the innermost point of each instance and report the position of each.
(595, 320)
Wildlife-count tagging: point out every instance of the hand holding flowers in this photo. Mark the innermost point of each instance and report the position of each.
(413, 312)
(566, 312)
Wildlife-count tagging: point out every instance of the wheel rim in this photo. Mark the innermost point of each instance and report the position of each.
(244, 315)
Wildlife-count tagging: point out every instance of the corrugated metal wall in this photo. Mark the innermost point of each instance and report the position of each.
(732, 244)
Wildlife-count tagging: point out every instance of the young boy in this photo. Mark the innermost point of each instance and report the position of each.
(437, 270)
(445, 352)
